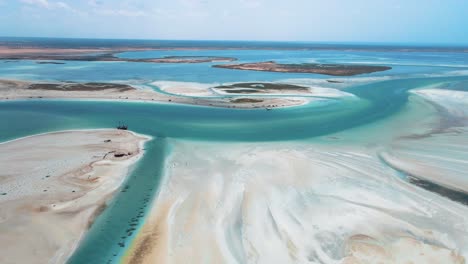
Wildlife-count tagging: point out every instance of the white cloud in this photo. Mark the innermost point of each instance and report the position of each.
(41, 3)
(251, 4)
(117, 8)
(121, 12)
(50, 5)
(63, 5)
(94, 3)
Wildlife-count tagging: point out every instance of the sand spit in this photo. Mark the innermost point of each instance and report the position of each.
(14, 90)
(52, 186)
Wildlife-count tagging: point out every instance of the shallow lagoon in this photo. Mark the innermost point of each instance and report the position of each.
(373, 104)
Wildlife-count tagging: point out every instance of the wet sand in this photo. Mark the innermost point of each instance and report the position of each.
(54, 184)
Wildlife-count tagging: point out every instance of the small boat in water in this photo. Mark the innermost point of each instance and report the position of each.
(122, 126)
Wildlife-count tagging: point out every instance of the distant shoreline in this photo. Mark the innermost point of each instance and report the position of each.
(139, 44)
(10, 54)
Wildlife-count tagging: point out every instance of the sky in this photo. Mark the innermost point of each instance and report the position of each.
(397, 21)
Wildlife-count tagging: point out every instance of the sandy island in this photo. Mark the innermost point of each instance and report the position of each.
(18, 90)
(52, 186)
(326, 69)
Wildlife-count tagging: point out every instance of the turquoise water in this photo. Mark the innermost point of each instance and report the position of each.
(113, 230)
(373, 102)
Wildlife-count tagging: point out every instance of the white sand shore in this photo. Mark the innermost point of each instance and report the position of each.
(52, 186)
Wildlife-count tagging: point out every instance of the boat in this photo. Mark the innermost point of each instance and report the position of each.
(122, 126)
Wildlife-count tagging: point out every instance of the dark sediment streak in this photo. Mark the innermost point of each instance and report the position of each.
(450, 193)
(49, 62)
(455, 195)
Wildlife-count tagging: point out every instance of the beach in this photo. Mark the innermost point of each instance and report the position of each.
(53, 185)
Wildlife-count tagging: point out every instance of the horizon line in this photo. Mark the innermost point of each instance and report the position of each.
(446, 44)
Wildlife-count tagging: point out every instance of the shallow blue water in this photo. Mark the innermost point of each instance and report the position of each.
(113, 230)
(372, 102)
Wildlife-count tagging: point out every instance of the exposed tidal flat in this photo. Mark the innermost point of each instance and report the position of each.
(363, 170)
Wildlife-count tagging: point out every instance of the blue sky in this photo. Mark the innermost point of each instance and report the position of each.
(405, 21)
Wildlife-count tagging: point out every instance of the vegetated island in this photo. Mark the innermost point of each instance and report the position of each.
(89, 86)
(261, 87)
(326, 69)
